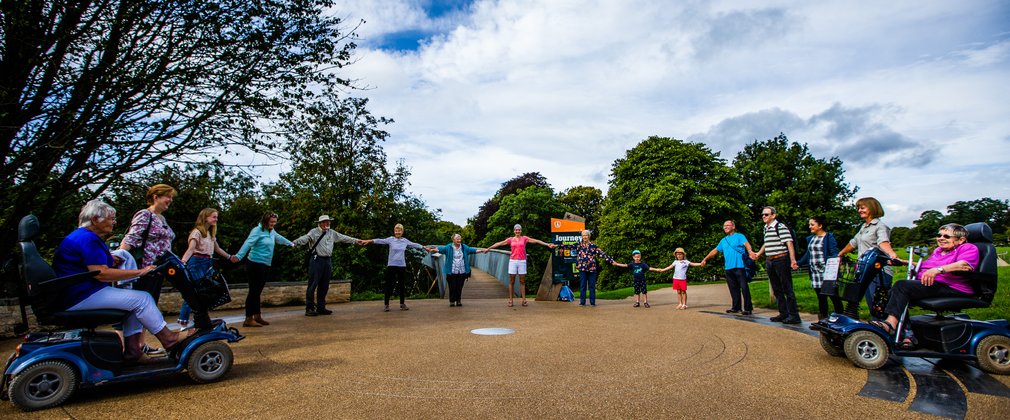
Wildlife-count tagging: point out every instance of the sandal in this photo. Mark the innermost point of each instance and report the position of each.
(524, 303)
(635, 305)
(908, 343)
(510, 303)
(884, 326)
(646, 304)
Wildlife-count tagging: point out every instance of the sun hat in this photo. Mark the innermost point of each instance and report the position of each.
(679, 251)
(324, 218)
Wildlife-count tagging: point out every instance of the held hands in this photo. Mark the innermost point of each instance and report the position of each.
(795, 266)
(703, 262)
(364, 242)
(754, 256)
(233, 259)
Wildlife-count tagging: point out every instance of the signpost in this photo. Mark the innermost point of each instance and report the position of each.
(561, 266)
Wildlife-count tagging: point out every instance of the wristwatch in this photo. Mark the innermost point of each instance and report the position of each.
(940, 269)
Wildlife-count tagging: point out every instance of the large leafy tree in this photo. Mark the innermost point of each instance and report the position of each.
(584, 201)
(512, 186)
(532, 207)
(925, 228)
(989, 210)
(339, 169)
(93, 90)
(666, 193)
(785, 175)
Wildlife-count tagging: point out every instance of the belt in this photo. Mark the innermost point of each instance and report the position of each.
(320, 257)
(775, 257)
(201, 255)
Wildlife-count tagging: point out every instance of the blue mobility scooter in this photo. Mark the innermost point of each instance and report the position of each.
(48, 367)
(954, 336)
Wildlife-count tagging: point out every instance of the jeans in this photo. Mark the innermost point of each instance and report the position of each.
(197, 268)
(394, 277)
(780, 276)
(736, 279)
(258, 275)
(587, 279)
(320, 272)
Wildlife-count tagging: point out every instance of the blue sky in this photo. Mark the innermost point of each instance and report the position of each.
(909, 94)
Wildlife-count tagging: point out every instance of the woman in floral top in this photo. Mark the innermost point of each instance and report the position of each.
(150, 230)
(586, 254)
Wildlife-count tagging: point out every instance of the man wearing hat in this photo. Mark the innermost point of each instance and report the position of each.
(320, 241)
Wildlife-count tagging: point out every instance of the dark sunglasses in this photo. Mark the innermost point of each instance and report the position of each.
(766, 214)
(944, 236)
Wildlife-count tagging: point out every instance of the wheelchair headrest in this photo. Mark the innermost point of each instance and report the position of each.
(28, 229)
(979, 232)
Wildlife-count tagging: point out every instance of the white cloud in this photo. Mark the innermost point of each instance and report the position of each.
(909, 94)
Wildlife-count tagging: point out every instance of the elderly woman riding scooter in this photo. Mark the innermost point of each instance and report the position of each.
(83, 250)
(936, 276)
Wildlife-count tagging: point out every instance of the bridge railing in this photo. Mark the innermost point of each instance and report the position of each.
(495, 262)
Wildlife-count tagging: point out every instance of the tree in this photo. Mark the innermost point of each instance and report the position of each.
(989, 210)
(785, 175)
(339, 168)
(94, 90)
(584, 201)
(666, 193)
(926, 226)
(512, 186)
(532, 207)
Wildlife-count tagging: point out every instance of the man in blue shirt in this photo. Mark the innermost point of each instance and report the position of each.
(732, 248)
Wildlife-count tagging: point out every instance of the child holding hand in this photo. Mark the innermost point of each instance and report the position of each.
(638, 269)
(679, 266)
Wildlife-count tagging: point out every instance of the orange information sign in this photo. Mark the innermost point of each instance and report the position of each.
(566, 226)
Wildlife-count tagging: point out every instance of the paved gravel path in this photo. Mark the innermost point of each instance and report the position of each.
(562, 361)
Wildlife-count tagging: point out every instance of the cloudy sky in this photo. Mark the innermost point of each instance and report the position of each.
(911, 95)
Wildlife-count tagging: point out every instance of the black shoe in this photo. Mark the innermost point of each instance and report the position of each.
(459, 303)
(310, 312)
(452, 304)
(745, 313)
(778, 318)
(732, 311)
(792, 320)
(324, 311)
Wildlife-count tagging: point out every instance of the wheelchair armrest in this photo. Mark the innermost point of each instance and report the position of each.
(59, 283)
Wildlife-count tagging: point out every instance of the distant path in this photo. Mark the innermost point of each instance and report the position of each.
(482, 285)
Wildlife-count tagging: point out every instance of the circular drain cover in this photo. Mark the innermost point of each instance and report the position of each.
(492, 331)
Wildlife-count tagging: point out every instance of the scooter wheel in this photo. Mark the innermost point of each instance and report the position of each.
(209, 362)
(833, 344)
(867, 350)
(993, 354)
(42, 385)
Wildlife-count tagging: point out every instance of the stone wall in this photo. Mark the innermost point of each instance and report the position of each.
(274, 294)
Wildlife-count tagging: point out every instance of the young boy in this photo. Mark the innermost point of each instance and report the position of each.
(638, 269)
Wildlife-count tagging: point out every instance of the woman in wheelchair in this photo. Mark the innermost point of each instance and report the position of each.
(83, 250)
(937, 276)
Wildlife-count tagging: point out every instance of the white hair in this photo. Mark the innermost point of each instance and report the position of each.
(95, 209)
(517, 226)
(457, 236)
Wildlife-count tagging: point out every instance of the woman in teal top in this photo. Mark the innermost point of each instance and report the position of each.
(259, 247)
(456, 266)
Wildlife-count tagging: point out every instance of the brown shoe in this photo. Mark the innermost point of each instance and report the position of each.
(260, 320)
(249, 322)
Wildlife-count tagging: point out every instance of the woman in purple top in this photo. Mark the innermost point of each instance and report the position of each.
(396, 264)
(936, 275)
(149, 230)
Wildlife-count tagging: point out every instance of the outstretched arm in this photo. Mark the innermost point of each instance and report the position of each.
(617, 264)
(539, 242)
(712, 254)
(498, 244)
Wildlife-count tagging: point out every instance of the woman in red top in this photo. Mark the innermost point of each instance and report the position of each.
(517, 260)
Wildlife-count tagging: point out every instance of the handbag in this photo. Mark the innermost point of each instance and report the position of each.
(138, 252)
(311, 255)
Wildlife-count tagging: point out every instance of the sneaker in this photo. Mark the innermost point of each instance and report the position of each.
(792, 320)
(732, 311)
(386, 309)
(152, 351)
(310, 312)
(647, 305)
(403, 307)
(324, 311)
(777, 318)
(636, 305)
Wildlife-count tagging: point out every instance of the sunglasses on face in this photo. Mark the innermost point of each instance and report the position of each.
(944, 236)
(765, 214)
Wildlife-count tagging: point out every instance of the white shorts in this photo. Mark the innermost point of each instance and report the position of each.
(517, 267)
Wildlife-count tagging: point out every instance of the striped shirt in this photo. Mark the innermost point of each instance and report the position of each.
(776, 236)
